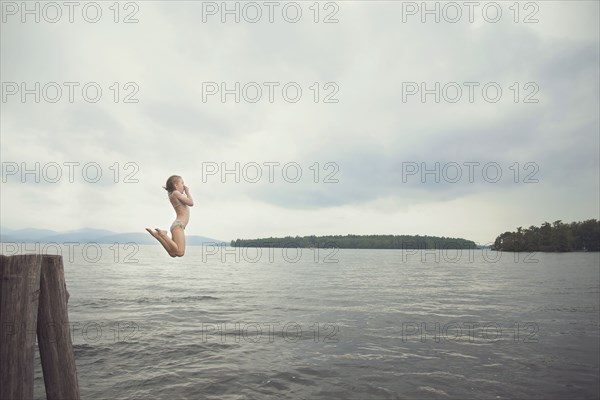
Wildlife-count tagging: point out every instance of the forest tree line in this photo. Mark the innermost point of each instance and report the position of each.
(359, 242)
(555, 237)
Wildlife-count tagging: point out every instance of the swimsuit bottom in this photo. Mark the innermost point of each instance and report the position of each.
(177, 223)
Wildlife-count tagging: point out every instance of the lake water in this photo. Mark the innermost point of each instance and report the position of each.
(351, 324)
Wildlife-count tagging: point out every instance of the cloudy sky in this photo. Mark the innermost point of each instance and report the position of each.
(301, 118)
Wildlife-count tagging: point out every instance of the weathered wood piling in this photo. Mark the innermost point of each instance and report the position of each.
(33, 302)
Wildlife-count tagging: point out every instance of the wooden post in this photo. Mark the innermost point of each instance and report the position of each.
(19, 291)
(54, 339)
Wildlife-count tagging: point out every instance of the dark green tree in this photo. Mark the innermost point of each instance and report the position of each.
(558, 237)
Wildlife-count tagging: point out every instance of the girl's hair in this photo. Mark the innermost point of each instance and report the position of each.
(170, 186)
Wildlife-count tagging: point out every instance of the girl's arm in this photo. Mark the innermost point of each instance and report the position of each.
(187, 199)
(190, 200)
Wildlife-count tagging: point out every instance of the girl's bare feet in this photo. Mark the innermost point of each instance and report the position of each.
(152, 232)
(162, 232)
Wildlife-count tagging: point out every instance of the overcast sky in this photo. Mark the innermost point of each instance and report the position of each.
(333, 91)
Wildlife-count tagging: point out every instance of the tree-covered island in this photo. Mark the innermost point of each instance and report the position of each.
(555, 237)
(558, 237)
(359, 242)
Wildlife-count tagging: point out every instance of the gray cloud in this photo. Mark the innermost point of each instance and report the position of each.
(369, 133)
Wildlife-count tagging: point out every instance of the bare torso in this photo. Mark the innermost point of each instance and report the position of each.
(182, 210)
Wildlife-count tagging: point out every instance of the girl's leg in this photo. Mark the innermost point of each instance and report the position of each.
(175, 248)
(166, 242)
(179, 240)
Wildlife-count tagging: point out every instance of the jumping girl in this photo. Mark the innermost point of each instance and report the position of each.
(181, 200)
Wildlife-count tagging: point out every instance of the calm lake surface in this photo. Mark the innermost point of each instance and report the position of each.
(351, 324)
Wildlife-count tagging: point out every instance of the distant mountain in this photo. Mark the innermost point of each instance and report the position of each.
(139, 238)
(4, 229)
(88, 235)
(80, 235)
(145, 238)
(28, 234)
